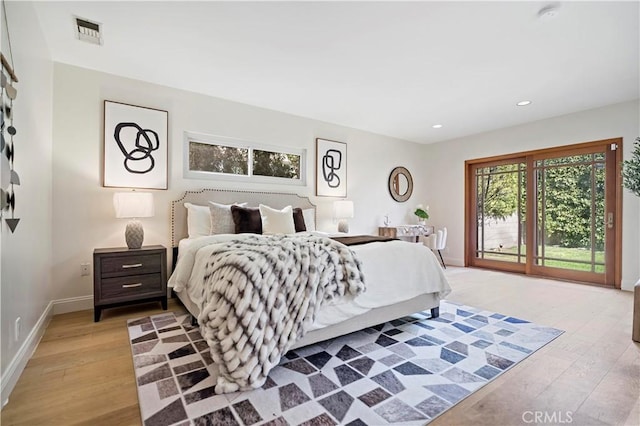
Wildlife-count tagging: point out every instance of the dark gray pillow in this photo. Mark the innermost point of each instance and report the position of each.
(246, 220)
(298, 220)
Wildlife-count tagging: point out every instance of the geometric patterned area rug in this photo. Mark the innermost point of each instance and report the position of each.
(407, 371)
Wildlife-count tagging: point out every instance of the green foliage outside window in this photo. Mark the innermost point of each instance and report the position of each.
(567, 205)
(218, 158)
(276, 164)
(498, 191)
(567, 199)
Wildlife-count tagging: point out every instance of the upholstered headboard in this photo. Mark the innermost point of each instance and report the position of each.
(276, 200)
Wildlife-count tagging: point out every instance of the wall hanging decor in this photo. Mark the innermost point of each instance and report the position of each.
(135, 146)
(400, 184)
(8, 176)
(331, 168)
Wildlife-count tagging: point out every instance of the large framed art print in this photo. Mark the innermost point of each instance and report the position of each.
(135, 146)
(331, 168)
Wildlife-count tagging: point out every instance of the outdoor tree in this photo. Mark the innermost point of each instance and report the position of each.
(217, 158)
(498, 197)
(266, 163)
(567, 203)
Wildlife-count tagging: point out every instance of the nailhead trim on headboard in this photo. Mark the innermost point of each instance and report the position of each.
(228, 196)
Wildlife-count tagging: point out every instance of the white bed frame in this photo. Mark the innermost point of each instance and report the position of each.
(279, 200)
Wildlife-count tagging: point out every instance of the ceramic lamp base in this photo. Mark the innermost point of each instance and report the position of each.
(134, 234)
(343, 226)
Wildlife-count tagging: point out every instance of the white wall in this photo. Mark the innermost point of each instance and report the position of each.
(82, 209)
(26, 254)
(445, 162)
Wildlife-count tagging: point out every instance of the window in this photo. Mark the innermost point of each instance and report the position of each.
(204, 157)
(276, 164)
(216, 157)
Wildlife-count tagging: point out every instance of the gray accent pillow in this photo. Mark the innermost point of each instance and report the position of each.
(221, 218)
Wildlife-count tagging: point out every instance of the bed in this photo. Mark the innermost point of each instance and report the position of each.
(401, 277)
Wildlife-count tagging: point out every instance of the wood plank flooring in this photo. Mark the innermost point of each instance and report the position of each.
(81, 372)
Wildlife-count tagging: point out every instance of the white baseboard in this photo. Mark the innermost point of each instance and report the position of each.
(453, 261)
(19, 361)
(628, 285)
(72, 304)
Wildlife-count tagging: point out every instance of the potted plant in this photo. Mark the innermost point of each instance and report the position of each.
(631, 180)
(631, 170)
(422, 213)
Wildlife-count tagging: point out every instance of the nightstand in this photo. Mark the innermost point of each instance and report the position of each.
(122, 276)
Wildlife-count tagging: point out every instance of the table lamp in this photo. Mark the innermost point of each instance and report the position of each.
(343, 210)
(133, 205)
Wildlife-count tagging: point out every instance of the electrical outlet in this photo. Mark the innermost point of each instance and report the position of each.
(84, 269)
(16, 329)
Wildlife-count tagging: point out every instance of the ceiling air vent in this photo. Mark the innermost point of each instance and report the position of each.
(88, 31)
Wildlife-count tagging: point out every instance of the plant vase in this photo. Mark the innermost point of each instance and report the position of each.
(635, 322)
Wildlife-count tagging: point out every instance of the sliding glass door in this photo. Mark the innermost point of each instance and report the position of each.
(552, 212)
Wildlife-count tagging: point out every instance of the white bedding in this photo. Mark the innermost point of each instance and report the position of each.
(394, 271)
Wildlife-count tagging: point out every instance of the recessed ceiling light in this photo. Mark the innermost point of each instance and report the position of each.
(437, 126)
(523, 103)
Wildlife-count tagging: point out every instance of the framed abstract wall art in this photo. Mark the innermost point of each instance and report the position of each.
(135, 146)
(331, 168)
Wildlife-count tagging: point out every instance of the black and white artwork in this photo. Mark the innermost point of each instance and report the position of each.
(331, 168)
(135, 146)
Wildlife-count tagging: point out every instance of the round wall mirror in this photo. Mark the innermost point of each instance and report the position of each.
(400, 184)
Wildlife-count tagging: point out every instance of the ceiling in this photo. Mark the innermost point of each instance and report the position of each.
(393, 68)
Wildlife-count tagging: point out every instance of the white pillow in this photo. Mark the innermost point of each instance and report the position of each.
(221, 218)
(309, 216)
(277, 221)
(198, 220)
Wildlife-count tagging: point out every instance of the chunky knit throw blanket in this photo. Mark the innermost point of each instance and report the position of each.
(262, 294)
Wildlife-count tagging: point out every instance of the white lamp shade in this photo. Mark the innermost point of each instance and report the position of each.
(133, 204)
(343, 209)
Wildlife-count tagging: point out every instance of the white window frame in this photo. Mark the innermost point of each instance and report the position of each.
(239, 143)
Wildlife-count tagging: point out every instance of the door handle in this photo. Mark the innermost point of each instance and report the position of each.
(609, 220)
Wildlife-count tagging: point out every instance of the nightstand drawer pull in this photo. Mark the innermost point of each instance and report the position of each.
(133, 265)
(132, 285)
